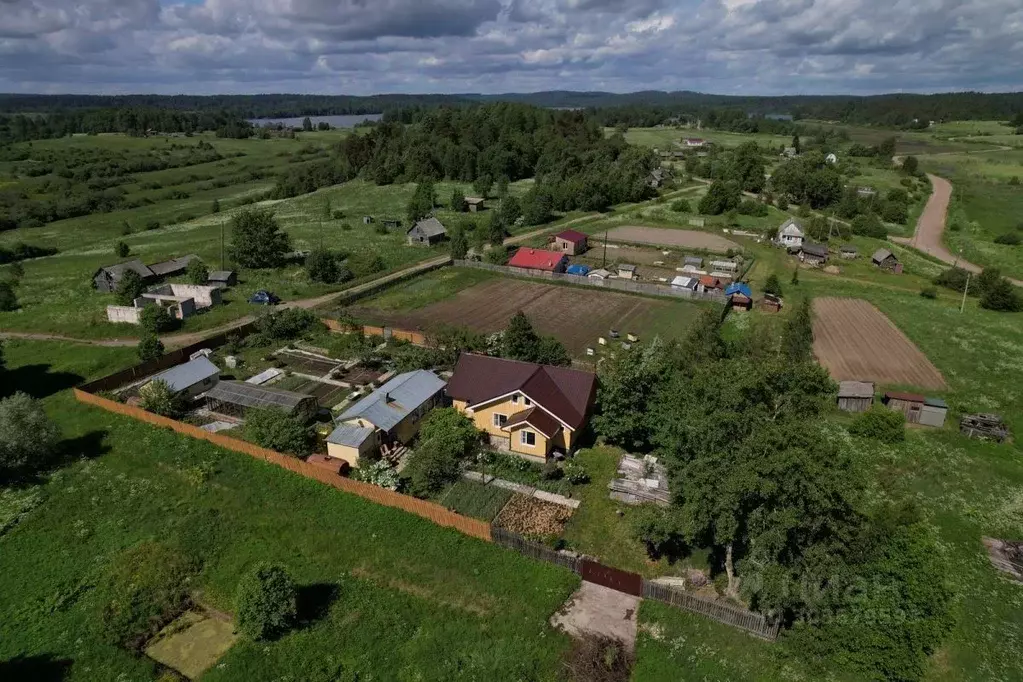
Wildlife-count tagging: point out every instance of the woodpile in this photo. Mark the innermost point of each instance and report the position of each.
(984, 427)
(1006, 556)
(641, 480)
(532, 517)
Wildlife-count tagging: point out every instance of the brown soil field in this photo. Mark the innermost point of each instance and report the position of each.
(575, 316)
(854, 341)
(662, 236)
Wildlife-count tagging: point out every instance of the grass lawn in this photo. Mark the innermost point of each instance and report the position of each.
(387, 595)
(431, 287)
(662, 138)
(477, 500)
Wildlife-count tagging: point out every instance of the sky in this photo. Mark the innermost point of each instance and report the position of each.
(360, 47)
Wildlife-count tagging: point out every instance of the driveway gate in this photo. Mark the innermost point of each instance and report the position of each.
(623, 581)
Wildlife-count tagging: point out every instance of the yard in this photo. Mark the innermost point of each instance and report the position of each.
(577, 316)
(395, 596)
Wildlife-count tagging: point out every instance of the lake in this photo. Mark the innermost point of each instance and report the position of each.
(334, 121)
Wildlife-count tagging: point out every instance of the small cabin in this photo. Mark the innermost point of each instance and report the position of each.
(626, 271)
(855, 396)
(886, 260)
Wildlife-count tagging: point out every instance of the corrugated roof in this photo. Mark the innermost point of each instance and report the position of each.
(566, 393)
(626, 267)
(573, 236)
(188, 374)
(723, 265)
(935, 402)
(536, 259)
(880, 255)
(855, 389)
(220, 275)
(815, 249)
(740, 288)
(431, 227)
(250, 395)
(392, 402)
(351, 435)
(908, 397)
(599, 273)
(117, 271)
(685, 282)
(172, 266)
(693, 260)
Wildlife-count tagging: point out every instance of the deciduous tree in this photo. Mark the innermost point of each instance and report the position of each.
(28, 438)
(266, 602)
(257, 240)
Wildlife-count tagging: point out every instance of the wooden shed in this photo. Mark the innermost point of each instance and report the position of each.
(886, 260)
(855, 396)
(909, 404)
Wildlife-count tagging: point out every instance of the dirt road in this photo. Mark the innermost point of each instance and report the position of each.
(931, 226)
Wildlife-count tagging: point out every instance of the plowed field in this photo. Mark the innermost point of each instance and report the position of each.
(663, 236)
(576, 316)
(856, 342)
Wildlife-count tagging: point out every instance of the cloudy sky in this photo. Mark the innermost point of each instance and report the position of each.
(491, 46)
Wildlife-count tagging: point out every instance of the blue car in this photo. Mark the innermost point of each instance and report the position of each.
(263, 297)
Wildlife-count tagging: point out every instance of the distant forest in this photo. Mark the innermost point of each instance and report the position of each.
(638, 108)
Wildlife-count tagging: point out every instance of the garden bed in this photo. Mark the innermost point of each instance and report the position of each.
(477, 500)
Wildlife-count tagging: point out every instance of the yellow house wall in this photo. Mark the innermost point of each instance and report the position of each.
(484, 419)
(542, 448)
(350, 454)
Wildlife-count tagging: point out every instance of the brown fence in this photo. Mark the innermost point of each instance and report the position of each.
(427, 510)
(616, 579)
(415, 338)
(753, 623)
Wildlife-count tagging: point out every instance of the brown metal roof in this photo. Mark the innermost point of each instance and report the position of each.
(566, 393)
(908, 397)
(538, 419)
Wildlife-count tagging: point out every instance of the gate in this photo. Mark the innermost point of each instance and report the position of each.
(622, 581)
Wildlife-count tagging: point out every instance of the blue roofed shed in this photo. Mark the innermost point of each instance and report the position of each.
(391, 415)
(739, 288)
(578, 269)
(191, 378)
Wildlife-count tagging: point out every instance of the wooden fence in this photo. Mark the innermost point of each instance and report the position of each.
(427, 510)
(413, 337)
(533, 550)
(624, 285)
(754, 623)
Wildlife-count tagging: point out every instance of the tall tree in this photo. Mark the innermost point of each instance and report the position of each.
(423, 200)
(257, 240)
(797, 337)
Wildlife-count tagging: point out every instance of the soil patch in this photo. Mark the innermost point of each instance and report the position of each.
(597, 610)
(662, 236)
(192, 644)
(533, 517)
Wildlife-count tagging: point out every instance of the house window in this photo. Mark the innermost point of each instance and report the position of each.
(515, 400)
(500, 420)
(527, 401)
(527, 438)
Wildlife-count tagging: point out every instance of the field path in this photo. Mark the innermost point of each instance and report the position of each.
(931, 226)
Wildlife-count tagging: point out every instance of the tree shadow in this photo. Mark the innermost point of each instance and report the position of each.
(39, 668)
(37, 381)
(314, 602)
(90, 446)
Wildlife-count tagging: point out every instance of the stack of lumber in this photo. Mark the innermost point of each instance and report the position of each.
(641, 480)
(984, 426)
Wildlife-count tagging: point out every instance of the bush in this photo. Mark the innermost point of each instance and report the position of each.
(1009, 239)
(122, 250)
(681, 206)
(28, 438)
(158, 398)
(150, 348)
(929, 292)
(753, 208)
(378, 473)
(8, 299)
(197, 272)
(576, 473)
(130, 287)
(880, 423)
(659, 531)
(274, 429)
(153, 225)
(155, 319)
(772, 285)
(284, 324)
(431, 467)
(324, 266)
(1001, 296)
(869, 226)
(552, 472)
(266, 602)
(953, 278)
(145, 587)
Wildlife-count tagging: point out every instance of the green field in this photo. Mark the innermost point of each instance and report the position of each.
(395, 597)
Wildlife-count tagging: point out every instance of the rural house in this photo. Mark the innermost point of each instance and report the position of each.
(658, 177)
(539, 259)
(740, 296)
(855, 396)
(791, 233)
(388, 417)
(107, 278)
(191, 378)
(917, 408)
(710, 283)
(886, 260)
(222, 278)
(529, 409)
(571, 242)
(426, 232)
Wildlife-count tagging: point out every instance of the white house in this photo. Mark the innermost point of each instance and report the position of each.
(791, 233)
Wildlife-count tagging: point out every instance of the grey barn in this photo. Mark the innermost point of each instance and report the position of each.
(426, 232)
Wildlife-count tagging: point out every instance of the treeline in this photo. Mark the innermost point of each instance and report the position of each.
(136, 121)
(778, 495)
(574, 165)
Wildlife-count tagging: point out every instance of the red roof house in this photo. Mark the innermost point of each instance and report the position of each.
(539, 259)
(571, 242)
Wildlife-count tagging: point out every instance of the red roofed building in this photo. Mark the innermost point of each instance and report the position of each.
(571, 242)
(539, 259)
(537, 408)
(709, 283)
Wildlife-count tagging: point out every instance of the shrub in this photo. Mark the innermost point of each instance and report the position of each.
(431, 467)
(880, 423)
(284, 324)
(338, 215)
(274, 429)
(378, 473)
(155, 319)
(158, 398)
(28, 438)
(266, 602)
(364, 264)
(1009, 239)
(122, 250)
(681, 206)
(130, 287)
(658, 530)
(150, 348)
(929, 292)
(576, 473)
(323, 266)
(197, 272)
(772, 285)
(867, 225)
(1001, 296)
(146, 586)
(153, 225)
(552, 472)
(8, 299)
(953, 278)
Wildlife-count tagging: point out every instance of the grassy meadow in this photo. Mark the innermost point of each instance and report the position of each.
(387, 595)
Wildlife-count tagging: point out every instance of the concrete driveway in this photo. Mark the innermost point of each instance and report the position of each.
(599, 610)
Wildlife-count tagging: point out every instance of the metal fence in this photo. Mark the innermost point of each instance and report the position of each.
(627, 286)
(533, 550)
(754, 623)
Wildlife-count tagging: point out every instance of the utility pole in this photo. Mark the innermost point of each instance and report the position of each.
(603, 263)
(222, 246)
(962, 306)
